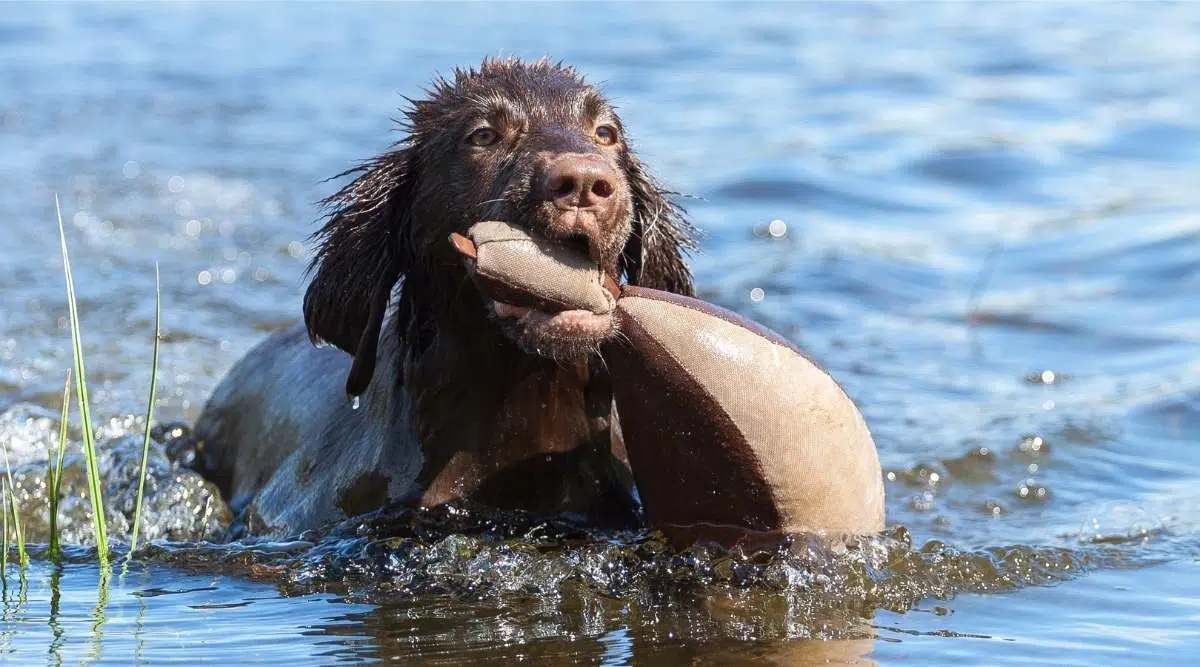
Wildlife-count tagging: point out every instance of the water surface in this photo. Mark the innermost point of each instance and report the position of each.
(982, 218)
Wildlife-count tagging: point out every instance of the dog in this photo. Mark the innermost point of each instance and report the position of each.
(403, 384)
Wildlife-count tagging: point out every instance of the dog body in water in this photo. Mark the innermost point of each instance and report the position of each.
(462, 398)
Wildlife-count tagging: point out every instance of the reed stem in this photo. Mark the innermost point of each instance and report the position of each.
(137, 512)
(81, 394)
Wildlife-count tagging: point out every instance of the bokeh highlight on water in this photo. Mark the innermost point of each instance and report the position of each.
(983, 218)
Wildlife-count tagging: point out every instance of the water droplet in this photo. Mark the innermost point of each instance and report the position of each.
(1045, 377)
(1033, 446)
(777, 228)
(355, 402)
(757, 294)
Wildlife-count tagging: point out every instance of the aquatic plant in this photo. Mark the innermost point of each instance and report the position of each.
(137, 512)
(12, 507)
(22, 556)
(81, 394)
(55, 465)
(89, 438)
(4, 542)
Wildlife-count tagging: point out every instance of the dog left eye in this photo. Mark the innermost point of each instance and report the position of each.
(484, 136)
(606, 135)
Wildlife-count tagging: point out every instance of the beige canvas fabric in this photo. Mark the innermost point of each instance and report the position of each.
(811, 442)
(544, 269)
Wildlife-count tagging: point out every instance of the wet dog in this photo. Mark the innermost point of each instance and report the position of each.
(462, 398)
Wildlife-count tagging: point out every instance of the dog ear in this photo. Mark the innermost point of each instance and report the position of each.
(359, 260)
(654, 255)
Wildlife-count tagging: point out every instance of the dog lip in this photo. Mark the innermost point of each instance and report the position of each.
(526, 315)
(583, 322)
(579, 224)
(560, 334)
(569, 327)
(509, 310)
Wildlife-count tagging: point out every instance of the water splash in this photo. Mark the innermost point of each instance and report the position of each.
(178, 503)
(805, 588)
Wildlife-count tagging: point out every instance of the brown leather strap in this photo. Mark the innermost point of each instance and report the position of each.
(463, 245)
(609, 283)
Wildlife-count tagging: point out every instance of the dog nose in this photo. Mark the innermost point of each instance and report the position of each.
(580, 181)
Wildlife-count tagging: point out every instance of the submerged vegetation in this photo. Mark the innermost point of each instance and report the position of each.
(77, 377)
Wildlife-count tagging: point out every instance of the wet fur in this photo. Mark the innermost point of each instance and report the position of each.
(452, 407)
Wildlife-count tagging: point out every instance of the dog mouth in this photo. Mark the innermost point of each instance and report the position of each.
(563, 335)
(547, 296)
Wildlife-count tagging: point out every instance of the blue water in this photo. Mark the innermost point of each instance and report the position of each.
(989, 231)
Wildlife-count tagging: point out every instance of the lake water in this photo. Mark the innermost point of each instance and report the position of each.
(989, 231)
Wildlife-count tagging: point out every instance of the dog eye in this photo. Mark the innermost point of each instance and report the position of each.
(606, 135)
(484, 136)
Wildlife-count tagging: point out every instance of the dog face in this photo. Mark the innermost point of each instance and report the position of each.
(538, 147)
(529, 143)
(533, 146)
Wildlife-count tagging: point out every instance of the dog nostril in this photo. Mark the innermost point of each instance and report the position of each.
(562, 185)
(602, 188)
(579, 182)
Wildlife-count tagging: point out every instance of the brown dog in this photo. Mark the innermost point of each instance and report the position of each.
(461, 399)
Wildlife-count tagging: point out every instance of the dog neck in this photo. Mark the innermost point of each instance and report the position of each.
(507, 429)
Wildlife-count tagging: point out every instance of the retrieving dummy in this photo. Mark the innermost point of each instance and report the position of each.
(730, 429)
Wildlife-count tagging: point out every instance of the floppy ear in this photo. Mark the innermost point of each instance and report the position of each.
(661, 234)
(359, 260)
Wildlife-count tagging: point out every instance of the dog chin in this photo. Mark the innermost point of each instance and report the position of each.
(564, 336)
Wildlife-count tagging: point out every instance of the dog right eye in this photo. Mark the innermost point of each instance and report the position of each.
(484, 136)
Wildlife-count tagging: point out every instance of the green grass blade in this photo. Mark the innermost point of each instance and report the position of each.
(137, 512)
(22, 556)
(54, 478)
(85, 413)
(16, 515)
(4, 546)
